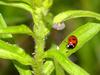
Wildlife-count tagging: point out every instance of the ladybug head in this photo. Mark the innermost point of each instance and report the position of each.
(70, 46)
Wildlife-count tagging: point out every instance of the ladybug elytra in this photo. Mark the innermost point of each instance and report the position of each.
(72, 41)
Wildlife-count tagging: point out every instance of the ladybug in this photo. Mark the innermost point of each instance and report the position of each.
(72, 42)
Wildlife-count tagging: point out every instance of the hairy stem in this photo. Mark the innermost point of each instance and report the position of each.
(40, 33)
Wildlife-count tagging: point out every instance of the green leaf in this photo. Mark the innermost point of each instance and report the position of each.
(22, 29)
(59, 70)
(13, 52)
(25, 1)
(30, 2)
(84, 33)
(4, 25)
(19, 5)
(48, 67)
(2, 22)
(68, 65)
(22, 69)
(74, 14)
(47, 3)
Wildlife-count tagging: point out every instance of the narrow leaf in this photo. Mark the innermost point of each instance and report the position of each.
(74, 14)
(47, 3)
(4, 25)
(22, 29)
(22, 69)
(68, 66)
(48, 67)
(84, 33)
(30, 2)
(13, 52)
(58, 68)
(19, 5)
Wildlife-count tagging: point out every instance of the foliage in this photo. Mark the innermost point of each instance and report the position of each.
(57, 57)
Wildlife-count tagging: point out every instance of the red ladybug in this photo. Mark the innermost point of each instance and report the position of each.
(72, 41)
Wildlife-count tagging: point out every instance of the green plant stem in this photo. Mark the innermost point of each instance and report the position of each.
(39, 57)
(40, 32)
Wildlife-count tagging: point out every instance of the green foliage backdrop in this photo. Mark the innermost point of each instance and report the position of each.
(31, 45)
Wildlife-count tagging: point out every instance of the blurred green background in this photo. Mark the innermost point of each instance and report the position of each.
(88, 57)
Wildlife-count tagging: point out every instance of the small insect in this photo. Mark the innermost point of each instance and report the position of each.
(72, 42)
